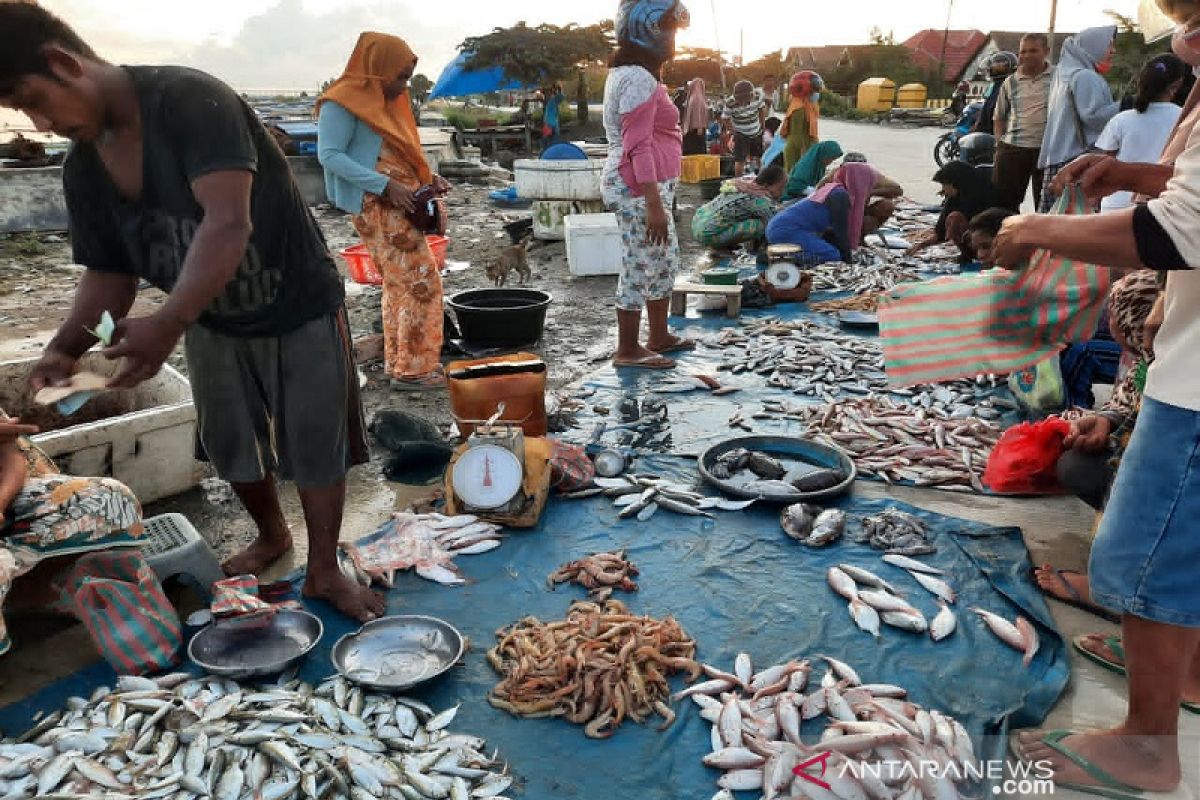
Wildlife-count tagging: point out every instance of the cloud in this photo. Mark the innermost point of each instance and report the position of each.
(290, 47)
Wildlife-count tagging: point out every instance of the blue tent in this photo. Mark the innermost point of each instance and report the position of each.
(457, 81)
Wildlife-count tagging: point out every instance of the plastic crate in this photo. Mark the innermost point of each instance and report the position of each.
(174, 549)
(700, 168)
(593, 244)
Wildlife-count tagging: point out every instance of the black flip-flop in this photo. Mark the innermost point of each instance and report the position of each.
(682, 346)
(1075, 599)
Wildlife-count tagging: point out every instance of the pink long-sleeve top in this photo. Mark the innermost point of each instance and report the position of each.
(652, 142)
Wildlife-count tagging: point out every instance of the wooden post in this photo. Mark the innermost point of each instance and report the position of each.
(1053, 20)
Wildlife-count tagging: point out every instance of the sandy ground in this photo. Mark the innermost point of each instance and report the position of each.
(35, 285)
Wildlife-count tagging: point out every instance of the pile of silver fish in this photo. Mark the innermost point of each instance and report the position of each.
(814, 360)
(1019, 635)
(878, 740)
(896, 531)
(812, 526)
(895, 442)
(872, 272)
(183, 737)
(873, 600)
(641, 496)
(426, 543)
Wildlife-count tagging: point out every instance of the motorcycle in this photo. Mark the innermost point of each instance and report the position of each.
(947, 147)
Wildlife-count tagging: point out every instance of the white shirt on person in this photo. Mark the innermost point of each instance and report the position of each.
(1137, 138)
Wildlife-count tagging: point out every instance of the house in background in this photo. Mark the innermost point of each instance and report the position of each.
(957, 58)
(838, 64)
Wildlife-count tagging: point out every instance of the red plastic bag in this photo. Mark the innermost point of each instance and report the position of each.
(570, 467)
(1024, 460)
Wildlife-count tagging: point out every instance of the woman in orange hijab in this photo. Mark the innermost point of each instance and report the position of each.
(370, 148)
(800, 123)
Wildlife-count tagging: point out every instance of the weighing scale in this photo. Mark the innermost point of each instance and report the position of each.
(489, 475)
(784, 275)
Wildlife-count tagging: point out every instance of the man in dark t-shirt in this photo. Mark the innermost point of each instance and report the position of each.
(172, 179)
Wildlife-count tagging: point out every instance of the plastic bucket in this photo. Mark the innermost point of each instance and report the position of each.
(709, 189)
(361, 266)
(439, 245)
(502, 317)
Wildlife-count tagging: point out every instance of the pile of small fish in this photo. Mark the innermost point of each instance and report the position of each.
(595, 668)
(894, 442)
(1019, 635)
(642, 496)
(877, 739)
(896, 531)
(812, 526)
(178, 736)
(643, 424)
(426, 543)
(814, 360)
(873, 273)
(858, 302)
(880, 602)
(599, 573)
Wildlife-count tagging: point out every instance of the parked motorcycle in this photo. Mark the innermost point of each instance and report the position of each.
(947, 147)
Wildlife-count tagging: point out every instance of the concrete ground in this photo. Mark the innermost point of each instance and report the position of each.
(1057, 530)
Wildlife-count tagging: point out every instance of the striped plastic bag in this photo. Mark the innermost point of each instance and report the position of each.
(118, 598)
(994, 322)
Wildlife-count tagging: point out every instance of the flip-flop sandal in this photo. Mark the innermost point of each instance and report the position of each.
(1074, 599)
(649, 362)
(1110, 787)
(1114, 644)
(682, 346)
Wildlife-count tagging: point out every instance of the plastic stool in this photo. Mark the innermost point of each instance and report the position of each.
(174, 549)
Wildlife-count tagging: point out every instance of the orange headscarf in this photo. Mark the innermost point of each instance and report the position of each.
(377, 60)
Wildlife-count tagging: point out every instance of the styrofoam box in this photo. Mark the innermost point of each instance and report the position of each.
(593, 244)
(145, 438)
(550, 216)
(558, 180)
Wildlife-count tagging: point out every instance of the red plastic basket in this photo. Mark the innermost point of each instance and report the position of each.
(361, 266)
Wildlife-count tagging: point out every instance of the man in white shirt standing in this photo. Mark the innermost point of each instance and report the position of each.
(1020, 123)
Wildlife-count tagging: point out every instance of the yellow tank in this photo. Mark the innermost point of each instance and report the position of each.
(911, 95)
(876, 94)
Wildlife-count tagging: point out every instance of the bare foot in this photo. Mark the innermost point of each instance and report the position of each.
(345, 595)
(1096, 644)
(1149, 763)
(258, 557)
(671, 344)
(1048, 582)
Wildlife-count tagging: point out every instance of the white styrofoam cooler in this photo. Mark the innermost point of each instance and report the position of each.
(550, 216)
(593, 244)
(558, 180)
(147, 442)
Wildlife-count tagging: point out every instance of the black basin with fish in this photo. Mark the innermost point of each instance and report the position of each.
(799, 456)
(501, 317)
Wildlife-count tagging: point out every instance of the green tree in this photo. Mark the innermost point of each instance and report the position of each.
(1130, 53)
(419, 87)
(770, 64)
(541, 55)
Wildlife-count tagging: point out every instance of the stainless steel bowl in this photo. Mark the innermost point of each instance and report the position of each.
(240, 648)
(395, 653)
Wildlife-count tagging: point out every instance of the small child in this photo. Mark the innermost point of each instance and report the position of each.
(746, 113)
(771, 127)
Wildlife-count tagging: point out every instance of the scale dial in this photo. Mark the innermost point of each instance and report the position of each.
(487, 476)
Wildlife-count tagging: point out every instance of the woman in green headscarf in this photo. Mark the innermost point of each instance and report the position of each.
(810, 169)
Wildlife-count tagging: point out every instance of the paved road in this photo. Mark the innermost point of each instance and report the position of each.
(903, 154)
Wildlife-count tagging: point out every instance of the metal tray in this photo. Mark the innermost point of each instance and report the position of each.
(858, 319)
(795, 452)
(395, 653)
(241, 648)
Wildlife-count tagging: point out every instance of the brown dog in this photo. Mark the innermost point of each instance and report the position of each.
(514, 258)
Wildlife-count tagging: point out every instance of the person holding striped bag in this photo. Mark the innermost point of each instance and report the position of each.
(1143, 559)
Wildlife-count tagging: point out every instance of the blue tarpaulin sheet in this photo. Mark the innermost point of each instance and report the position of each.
(735, 585)
(458, 81)
(698, 419)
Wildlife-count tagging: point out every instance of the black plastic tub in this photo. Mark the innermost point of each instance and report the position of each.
(710, 188)
(501, 317)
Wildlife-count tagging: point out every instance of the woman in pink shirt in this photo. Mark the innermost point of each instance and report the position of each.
(645, 150)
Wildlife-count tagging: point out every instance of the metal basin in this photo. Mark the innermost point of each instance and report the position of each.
(395, 653)
(858, 319)
(799, 456)
(249, 647)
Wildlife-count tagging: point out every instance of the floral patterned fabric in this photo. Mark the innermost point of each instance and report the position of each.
(412, 285)
(647, 271)
(60, 515)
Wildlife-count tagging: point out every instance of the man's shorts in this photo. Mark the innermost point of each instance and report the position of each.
(747, 147)
(286, 405)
